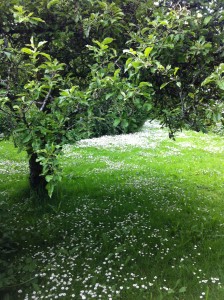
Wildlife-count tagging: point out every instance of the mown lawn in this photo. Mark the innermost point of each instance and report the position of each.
(135, 217)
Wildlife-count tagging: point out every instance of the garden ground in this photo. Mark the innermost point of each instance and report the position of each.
(136, 216)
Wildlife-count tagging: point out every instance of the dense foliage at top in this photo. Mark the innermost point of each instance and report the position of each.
(75, 69)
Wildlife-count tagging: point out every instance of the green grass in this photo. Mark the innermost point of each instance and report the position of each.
(126, 223)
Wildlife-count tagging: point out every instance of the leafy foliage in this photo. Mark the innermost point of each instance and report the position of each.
(73, 70)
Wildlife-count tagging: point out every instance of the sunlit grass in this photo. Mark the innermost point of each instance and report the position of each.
(135, 217)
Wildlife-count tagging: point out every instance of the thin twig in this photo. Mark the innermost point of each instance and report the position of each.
(46, 99)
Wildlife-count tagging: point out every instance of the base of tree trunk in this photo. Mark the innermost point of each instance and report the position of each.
(37, 181)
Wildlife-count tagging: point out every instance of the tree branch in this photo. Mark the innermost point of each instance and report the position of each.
(45, 100)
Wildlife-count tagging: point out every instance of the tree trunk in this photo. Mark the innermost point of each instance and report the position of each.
(37, 181)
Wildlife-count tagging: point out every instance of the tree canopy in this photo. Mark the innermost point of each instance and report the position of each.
(76, 69)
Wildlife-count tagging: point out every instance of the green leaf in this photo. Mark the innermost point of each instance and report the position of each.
(18, 8)
(50, 188)
(20, 130)
(27, 51)
(220, 68)
(107, 40)
(178, 84)
(8, 54)
(163, 85)
(116, 122)
(46, 55)
(116, 73)
(175, 70)
(207, 45)
(207, 20)
(164, 22)
(148, 106)
(220, 84)
(65, 93)
(49, 178)
(128, 63)
(144, 83)
(41, 44)
(124, 123)
(52, 2)
(32, 42)
(38, 19)
(136, 64)
(147, 51)
(16, 107)
(191, 95)
(101, 45)
(109, 96)
(27, 138)
(206, 81)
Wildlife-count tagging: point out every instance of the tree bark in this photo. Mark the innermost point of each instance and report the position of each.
(37, 181)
